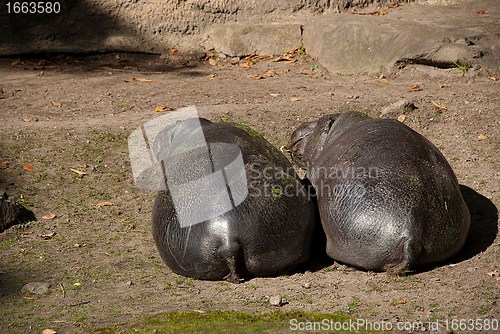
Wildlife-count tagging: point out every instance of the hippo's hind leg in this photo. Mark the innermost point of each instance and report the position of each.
(230, 253)
(410, 250)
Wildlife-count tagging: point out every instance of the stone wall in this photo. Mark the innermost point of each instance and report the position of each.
(148, 25)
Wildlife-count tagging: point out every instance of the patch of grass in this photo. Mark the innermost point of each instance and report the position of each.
(7, 242)
(353, 305)
(251, 286)
(373, 287)
(315, 67)
(123, 105)
(403, 279)
(462, 65)
(80, 317)
(229, 322)
(482, 310)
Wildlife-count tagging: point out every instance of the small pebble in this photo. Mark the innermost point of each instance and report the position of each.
(275, 300)
(37, 288)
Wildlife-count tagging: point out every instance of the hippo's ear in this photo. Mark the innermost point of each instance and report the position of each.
(327, 123)
(298, 141)
(302, 133)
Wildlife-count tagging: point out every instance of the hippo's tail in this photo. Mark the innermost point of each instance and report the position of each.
(231, 254)
(410, 250)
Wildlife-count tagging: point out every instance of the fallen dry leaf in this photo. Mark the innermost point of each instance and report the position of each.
(212, 76)
(383, 12)
(49, 216)
(245, 65)
(252, 59)
(131, 68)
(482, 137)
(17, 62)
(415, 88)
(26, 119)
(393, 4)
(105, 203)
(401, 118)
(49, 331)
(257, 77)
(79, 245)
(56, 103)
(494, 273)
(28, 166)
(494, 78)
(117, 212)
(48, 236)
(383, 81)
(358, 12)
(141, 79)
(173, 51)
(84, 166)
(80, 173)
(274, 94)
(285, 57)
(270, 73)
(295, 99)
(402, 301)
(481, 12)
(164, 109)
(439, 105)
(4, 165)
(212, 61)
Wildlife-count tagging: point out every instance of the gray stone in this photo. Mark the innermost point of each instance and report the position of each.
(37, 288)
(12, 213)
(396, 108)
(276, 300)
(245, 39)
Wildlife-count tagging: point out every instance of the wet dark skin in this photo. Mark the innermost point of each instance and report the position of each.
(388, 199)
(267, 234)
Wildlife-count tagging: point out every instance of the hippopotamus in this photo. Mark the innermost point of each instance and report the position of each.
(265, 233)
(388, 199)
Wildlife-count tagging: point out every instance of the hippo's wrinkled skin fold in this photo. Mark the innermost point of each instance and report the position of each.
(267, 234)
(387, 197)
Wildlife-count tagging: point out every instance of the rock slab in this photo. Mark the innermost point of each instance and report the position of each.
(12, 213)
(443, 37)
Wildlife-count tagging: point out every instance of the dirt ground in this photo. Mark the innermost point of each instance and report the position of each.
(64, 112)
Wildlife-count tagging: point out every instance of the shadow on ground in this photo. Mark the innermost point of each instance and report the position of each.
(106, 62)
(484, 224)
(482, 234)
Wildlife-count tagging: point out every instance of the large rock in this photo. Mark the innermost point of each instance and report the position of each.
(441, 37)
(12, 213)
(244, 39)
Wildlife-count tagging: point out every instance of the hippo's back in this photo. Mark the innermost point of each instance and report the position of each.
(388, 196)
